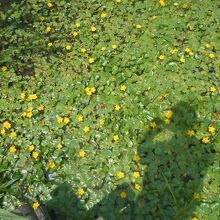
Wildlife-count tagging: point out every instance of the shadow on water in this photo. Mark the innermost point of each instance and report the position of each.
(176, 166)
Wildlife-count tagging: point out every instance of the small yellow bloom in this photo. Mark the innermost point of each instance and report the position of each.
(196, 196)
(32, 97)
(169, 114)
(101, 122)
(120, 175)
(30, 108)
(93, 89)
(36, 204)
(12, 149)
(13, 134)
(136, 174)
(191, 133)
(29, 114)
(91, 60)
(211, 55)
(213, 89)
(48, 29)
(167, 121)
(22, 95)
(187, 50)
(185, 6)
(80, 118)
(66, 120)
(104, 15)
(59, 146)
(208, 46)
(212, 129)
(78, 24)
(138, 26)
(103, 48)
(116, 138)
(123, 88)
(7, 125)
(51, 165)
(35, 155)
(173, 51)
(114, 46)
(153, 124)
(75, 33)
(59, 120)
(41, 108)
(118, 1)
(182, 60)
(31, 148)
(86, 129)
(82, 153)
(123, 195)
(49, 4)
(117, 108)
(195, 218)
(137, 157)
(93, 28)
(24, 114)
(50, 44)
(83, 50)
(162, 57)
(2, 131)
(205, 140)
(137, 186)
(68, 47)
(162, 3)
(4, 68)
(175, 3)
(190, 53)
(81, 192)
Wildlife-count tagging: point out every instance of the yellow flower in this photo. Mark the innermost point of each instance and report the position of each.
(153, 124)
(80, 118)
(59, 146)
(48, 29)
(4, 68)
(2, 131)
(154, 17)
(196, 196)
(175, 3)
(162, 3)
(167, 121)
(211, 129)
(208, 46)
(211, 55)
(137, 157)
(75, 33)
(86, 129)
(187, 50)
(91, 60)
(173, 51)
(13, 134)
(138, 26)
(12, 149)
(32, 97)
(78, 24)
(68, 47)
(185, 6)
(120, 175)
(195, 218)
(66, 120)
(123, 88)
(162, 57)
(24, 114)
(49, 44)
(35, 155)
(83, 50)
(114, 46)
(29, 114)
(104, 15)
(116, 138)
(81, 192)
(205, 140)
(41, 108)
(59, 120)
(82, 153)
(103, 48)
(213, 89)
(22, 95)
(136, 174)
(30, 108)
(123, 195)
(7, 125)
(137, 186)
(51, 165)
(190, 132)
(182, 60)
(190, 53)
(93, 89)
(36, 204)
(49, 4)
(169, 114)
(118, 1)
(117, 108)
(31, 148)
(101, 122)
(93, 28)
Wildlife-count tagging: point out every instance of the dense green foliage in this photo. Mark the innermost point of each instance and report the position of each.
(119, 99)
